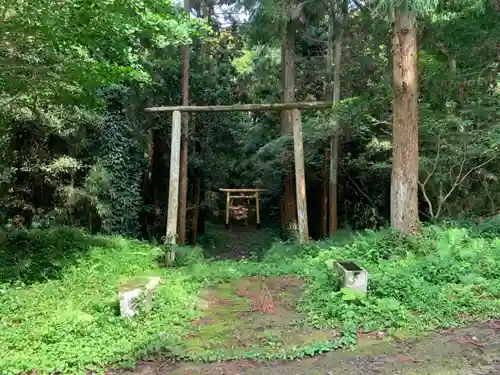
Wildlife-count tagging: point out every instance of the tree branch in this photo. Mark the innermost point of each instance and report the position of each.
(487, 190)
(354, 183)
(429, 175)
(427, 200)
(461, 179)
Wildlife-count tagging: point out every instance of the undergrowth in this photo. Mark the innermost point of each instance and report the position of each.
(70, 322)
(59, 307)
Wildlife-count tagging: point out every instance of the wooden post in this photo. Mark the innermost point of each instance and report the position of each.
(173, 191)
(228, 203)
(300, 178)
(257, 209)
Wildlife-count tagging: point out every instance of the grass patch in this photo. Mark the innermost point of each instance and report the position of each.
(59, 304)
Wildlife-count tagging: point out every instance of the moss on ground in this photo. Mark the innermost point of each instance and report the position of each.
(249, 317)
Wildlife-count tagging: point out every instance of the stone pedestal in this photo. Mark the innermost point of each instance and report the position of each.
(136, 295)
(352, 276)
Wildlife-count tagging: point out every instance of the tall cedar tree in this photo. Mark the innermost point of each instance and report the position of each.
(183, 185)
(404, 179)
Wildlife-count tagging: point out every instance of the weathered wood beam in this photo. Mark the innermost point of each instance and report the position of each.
(173, 191)
(242, 190)
(244, 107)
(300, 177)
(257, 208)
(228, 206)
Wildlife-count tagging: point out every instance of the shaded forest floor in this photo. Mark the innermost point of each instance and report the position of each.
(238, 242)
(474, 350)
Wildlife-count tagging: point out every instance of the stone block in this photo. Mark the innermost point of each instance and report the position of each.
(136, 295)
(352, 276)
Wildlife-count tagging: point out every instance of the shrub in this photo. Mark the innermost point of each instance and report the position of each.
(187, 255)
(41, 254)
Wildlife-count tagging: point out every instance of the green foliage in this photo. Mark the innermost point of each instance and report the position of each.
(59, 306)
(71, 322)
(188, 255)
(37, 255)
(454, 268)
(123, 161)
(66, 50)
(64, 161)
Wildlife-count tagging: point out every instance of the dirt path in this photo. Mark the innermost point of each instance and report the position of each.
(468, 351)
(238, 242)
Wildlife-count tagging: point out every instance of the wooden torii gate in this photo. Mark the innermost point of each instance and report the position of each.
(298, 146)
(252, 194)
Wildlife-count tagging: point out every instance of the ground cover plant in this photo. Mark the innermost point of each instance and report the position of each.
(59, 309)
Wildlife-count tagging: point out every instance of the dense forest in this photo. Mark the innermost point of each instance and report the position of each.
(398, 129)
(79, 148)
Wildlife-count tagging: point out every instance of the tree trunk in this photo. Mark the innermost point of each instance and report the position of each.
(159, 184)
(150, 156)
(404, 179)
(148, 185)
(202, 214)
(183, 185)
(289, 205)
(335, 65)
(324, 198)
(196, 185)
(198, 174)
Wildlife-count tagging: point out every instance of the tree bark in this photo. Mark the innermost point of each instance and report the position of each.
(183, 186)
(150, 156)
(204, 11)
(404, 179)
(324, 198)
(289, 205)
(334, 63)
(196, 184)
(159, 183)
(148, 183)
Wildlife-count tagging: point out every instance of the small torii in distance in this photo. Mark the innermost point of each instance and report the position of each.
(252, 193)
